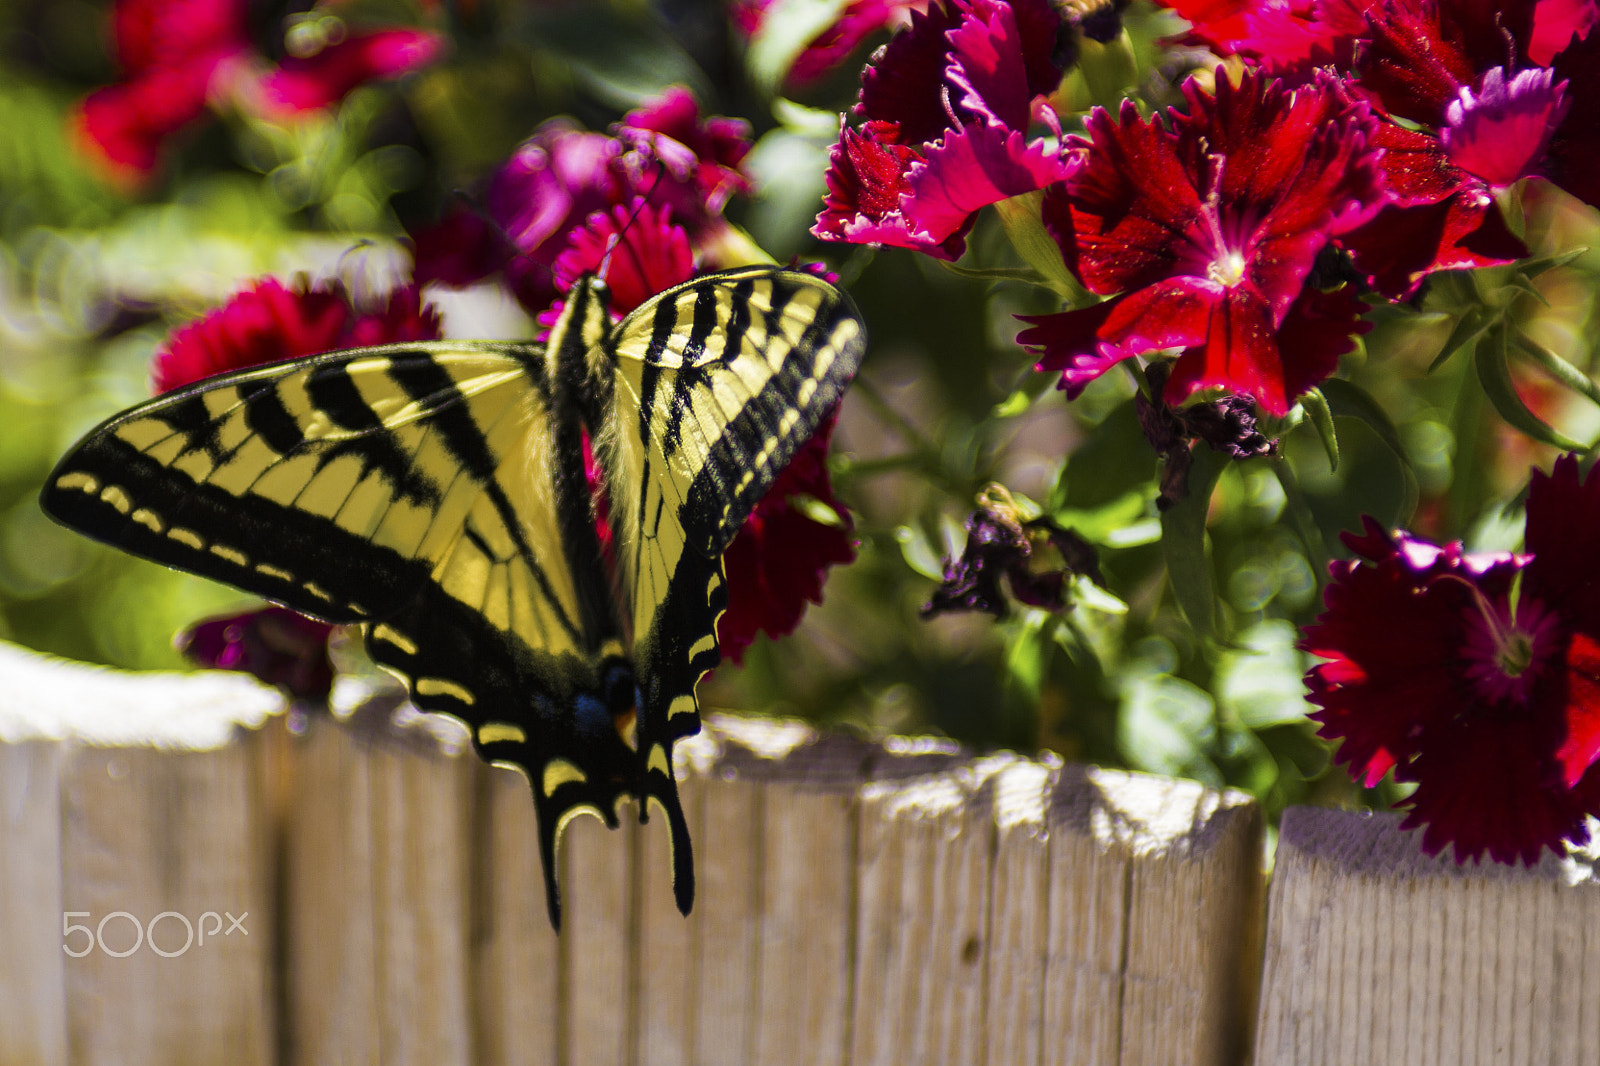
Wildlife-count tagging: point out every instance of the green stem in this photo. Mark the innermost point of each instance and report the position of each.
(909, 433)
(1561, 371)
(1304, 522)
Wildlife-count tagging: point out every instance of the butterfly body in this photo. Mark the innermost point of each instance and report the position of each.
(439, 495)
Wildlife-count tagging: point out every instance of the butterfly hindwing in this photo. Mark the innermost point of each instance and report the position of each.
(712, 388)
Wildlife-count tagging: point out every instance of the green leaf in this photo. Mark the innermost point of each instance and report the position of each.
(1112, 458)
(1261, 681)
(1316, 409)
(1109, 70)
(1469, 328)
(1166, 725)
(814, 509)
(1494, 373)
(1532, 268)
(1027, 274)
(623, 59)
(789, 26)
(1020, 216)
(1032, 386)
(1348, 400)
(1183, 543)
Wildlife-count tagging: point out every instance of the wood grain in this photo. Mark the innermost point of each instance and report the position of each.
(1376, 952)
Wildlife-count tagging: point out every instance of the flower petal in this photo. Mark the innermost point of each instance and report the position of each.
(970, 169)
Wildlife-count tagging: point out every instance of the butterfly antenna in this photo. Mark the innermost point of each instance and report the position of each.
(617, 238)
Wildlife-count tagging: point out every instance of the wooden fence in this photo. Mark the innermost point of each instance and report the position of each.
(365, 890)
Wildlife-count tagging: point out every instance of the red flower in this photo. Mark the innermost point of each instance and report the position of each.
(778, 561)
(274, 644)
(1491, 707)
(171, 53)
(181, 56)
(1281, 35)
(945, 109)
(269, 322)
(635, 248)
(310, 82)
(1208, 232)
(1440, 218)
(561, 176)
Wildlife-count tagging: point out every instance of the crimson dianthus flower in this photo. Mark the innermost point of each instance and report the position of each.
(269, 322)
(664, 154)
(638, 250)
(777, 562)
(1207, 232)
(316, 79)
(1285, 36)
(1489, 702)
(273, 644)
(945, 108)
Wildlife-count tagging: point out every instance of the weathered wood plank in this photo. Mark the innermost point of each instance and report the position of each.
(1154, 900)
(921, 917)
(1377, 952)
(33, 980)
(599, 901)
(377, 911)
(161, 836)
(516, 974)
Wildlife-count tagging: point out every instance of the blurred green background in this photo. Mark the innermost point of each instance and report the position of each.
(92, 277)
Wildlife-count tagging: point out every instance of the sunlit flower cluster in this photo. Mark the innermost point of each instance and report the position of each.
(181, 58)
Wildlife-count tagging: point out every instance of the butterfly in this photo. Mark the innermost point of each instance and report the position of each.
(436, 494)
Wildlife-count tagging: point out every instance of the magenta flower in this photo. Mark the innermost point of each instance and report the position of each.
(311, 82)
(1204, 235)
(273, 644)
(1555, 23)
(635, 247)
(561, 176)
(1490, 703)
(270, 322)
(180, 57)
(945, 109)
(1573, 160)
(858, 20)
(780, 557)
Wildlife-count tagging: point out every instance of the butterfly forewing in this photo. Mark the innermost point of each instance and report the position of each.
(435, 493)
